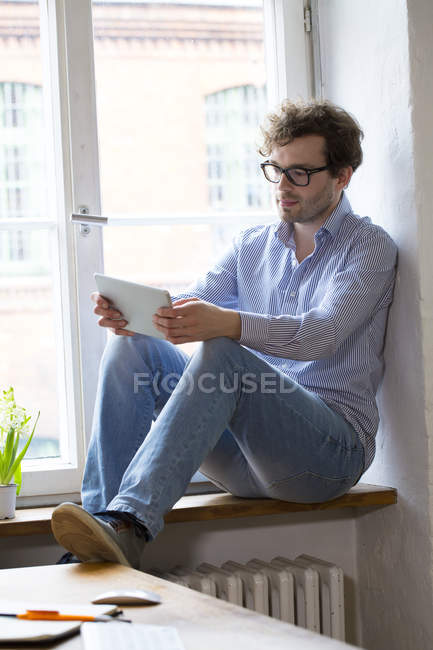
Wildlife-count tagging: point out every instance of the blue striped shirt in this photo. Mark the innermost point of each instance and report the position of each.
(322, 321)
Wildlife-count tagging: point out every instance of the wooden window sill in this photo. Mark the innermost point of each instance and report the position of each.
(206, 507)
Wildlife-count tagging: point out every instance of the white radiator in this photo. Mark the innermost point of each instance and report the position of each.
(306, 591)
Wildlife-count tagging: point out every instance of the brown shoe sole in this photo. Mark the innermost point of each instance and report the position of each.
(81, 534)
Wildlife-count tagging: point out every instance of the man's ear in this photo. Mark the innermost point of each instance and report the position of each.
(343, 177)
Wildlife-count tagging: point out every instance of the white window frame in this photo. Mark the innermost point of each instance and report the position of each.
(70, 107)
(66, 26)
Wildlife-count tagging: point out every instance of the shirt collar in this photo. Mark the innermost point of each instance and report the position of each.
(284, 230)
(333, 222)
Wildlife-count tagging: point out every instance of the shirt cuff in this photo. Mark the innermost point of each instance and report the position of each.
(254, 330)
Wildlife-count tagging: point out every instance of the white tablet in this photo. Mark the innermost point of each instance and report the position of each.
(137, 302)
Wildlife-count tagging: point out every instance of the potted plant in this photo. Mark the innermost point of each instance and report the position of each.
(14, 425)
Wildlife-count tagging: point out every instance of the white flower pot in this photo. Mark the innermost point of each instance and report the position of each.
(8, 498)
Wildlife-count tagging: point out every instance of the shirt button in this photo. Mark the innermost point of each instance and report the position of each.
(292, 294)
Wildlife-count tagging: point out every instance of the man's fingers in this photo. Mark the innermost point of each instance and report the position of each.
(104, 307)
(108, 313)
(172, 323)
(167, 312)
(121, 332)
(110, 322)
(177, 332)
(179, 308)
(100, 300)
(111, 317)
(183, 301)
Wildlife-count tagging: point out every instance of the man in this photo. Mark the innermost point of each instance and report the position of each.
(279, 399)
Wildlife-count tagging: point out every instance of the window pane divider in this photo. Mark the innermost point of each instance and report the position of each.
(169, 218)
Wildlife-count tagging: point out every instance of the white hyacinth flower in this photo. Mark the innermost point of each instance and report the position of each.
(12, 416)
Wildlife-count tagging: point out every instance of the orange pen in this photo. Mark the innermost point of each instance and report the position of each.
(54, 615)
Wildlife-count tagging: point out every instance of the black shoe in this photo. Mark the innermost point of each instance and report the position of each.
(68, 558)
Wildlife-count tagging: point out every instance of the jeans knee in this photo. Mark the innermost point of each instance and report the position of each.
(116, 351)
(130, 351)
(219, 347)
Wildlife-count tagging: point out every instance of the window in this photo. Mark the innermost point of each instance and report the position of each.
(26, 264)
(232, 118)
(161, 140)
(36, 348)
(161, 71)
(22, 180)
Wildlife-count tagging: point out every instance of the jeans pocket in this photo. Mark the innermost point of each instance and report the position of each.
(308, 487)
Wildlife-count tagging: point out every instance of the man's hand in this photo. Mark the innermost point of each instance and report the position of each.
(111, 318)
(192, 319)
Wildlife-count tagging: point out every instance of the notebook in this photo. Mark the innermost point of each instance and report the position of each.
(14, 630)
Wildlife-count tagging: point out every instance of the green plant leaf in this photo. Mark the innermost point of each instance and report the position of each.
(9, 445)
(18, 460)
(18, 478)
(6, 456)
(2, 466)
(15, 449)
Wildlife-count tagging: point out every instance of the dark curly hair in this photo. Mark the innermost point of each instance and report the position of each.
(341, 131)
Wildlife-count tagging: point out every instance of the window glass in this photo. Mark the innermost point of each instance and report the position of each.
(28, 333)
(232, 117)
(180, 95)
(180, 90)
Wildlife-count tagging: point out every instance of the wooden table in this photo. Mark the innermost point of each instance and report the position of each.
(202, 621)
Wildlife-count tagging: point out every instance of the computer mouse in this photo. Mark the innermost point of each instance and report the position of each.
(127, 597)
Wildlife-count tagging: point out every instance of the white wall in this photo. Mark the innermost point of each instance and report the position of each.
(377, 63)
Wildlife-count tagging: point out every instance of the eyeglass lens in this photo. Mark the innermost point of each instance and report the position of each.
(297, 176)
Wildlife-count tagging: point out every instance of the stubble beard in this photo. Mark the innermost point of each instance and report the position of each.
(309, 210)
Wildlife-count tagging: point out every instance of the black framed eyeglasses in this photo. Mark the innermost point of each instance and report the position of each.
(296, 175)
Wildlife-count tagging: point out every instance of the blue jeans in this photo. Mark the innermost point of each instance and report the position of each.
(248, 427)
